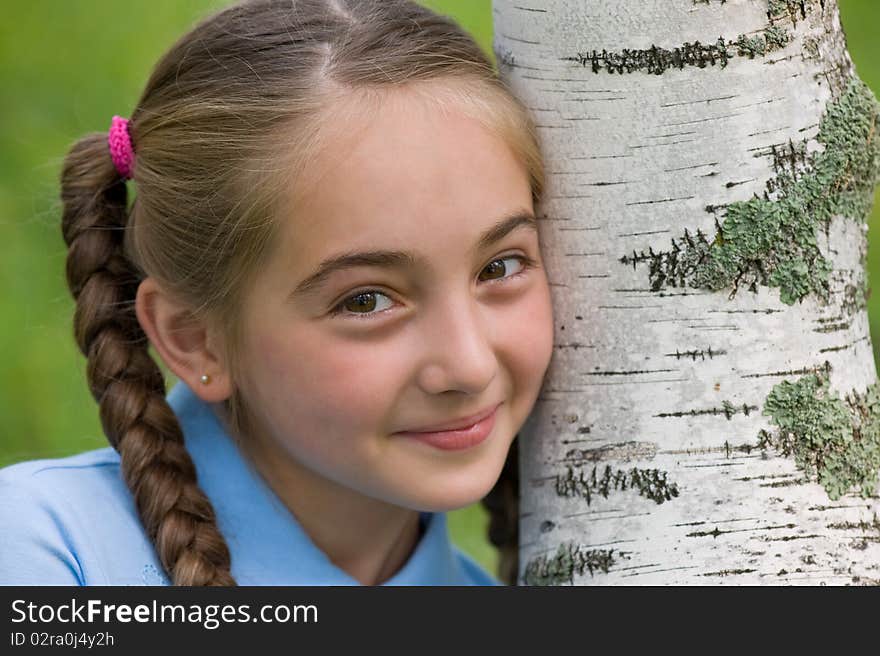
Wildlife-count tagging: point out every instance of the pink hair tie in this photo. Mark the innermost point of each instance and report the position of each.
(121, 150)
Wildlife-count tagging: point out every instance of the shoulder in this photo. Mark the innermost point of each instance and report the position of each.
(474, 574)
(53, 511)
(30, 470)
(57, 481)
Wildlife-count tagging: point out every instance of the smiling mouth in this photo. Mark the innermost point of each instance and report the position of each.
(457, 424)
(461, 438)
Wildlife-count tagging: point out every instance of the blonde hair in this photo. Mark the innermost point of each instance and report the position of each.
(230, 112)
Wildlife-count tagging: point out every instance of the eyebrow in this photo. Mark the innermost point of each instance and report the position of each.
(402, 259)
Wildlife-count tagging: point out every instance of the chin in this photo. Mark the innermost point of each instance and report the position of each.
(456, 483)
(452, 495)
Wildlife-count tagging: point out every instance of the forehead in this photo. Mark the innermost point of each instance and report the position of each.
(401, 169)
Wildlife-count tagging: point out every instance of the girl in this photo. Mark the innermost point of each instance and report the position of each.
(333, 246)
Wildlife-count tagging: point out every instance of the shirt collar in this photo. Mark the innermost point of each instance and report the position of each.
(267, 544)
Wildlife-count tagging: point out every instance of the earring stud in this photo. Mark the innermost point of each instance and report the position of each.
(205, 379)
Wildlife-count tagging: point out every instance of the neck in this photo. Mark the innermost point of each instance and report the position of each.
(369, 539)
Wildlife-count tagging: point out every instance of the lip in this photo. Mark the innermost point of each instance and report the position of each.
(466, 433)
(456, 424)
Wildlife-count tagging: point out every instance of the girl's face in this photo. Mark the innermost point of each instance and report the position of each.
(446, 312)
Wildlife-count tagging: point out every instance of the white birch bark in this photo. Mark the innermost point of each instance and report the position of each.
(676, 379)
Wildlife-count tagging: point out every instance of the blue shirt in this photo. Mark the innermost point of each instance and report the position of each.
(73, 521)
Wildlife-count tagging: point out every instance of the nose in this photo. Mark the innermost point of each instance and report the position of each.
(458, 347)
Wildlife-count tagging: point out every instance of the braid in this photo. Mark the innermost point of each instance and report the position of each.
(125, 380)
(502, 502)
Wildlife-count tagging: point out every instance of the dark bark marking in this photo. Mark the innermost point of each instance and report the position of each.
(755, 134)
(732, 184)
(574, 346)
(518, 40)
(620, 451)
(695, 102)
(606, 184)
(603, 157)
(659, 200)
(701, 120)
(843, 347)
(694, 354)
(858, 526)
(739, 448)
(728, 409)
(695, 166)
(824, 367)
(629, 373)
(661, 145)
(638, 382)
(717, 531)
(787, 483)
(569, 559)
(506, 57)
(649, 483)
(789, 538)
(766, 311)
(837, 507)
(588, 99)
(864, 580)
(655, 60)
(628, 307)
(671, 134)
(730, 572)
(763, 477)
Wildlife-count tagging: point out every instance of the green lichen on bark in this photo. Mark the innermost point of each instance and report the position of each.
(855, 297)
(649, 483)
(772, 240)
(773, 38)
(569, 559)
(793, 9)
(835, 441)
(776, 8)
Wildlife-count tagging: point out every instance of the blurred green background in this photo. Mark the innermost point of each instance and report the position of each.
(66, 68)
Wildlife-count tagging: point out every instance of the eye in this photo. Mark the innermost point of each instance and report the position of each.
(498, 270)
(366, 303)
(363, 303)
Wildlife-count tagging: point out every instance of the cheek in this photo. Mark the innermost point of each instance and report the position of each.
(534, 335)
(325, 381)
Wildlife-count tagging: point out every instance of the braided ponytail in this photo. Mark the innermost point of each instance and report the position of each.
(502, 502)
(124, 379)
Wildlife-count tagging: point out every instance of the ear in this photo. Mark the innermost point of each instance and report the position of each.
(186, 345)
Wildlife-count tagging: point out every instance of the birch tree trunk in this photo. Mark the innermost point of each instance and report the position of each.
(711, 413)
